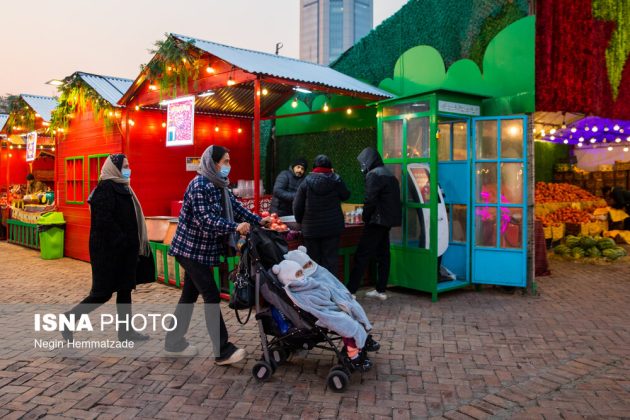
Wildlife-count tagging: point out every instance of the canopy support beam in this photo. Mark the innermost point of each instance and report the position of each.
(257, 145)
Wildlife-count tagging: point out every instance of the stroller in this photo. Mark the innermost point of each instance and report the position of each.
(264, 249)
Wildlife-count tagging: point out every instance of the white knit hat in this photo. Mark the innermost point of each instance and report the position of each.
(300, 256)
(287, 271)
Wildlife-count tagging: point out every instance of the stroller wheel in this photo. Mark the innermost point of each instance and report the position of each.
(337, 380)
(262, 371)
(341, 368)
(279, 354)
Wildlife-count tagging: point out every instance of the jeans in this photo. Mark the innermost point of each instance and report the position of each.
(324, 251)
(198, 280)
(374, 243)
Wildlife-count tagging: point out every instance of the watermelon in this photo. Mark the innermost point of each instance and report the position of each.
(587, 242)
(577, 252)
(594, 252)
(606, 243)
(622, 252)
(561, 250)
(610, 254)
(572, 241)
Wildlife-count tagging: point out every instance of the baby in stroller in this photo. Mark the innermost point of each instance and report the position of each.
(315, 290)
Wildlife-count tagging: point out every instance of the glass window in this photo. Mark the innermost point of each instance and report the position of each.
(408, 108)
(444, 142)
(486, 174)
(487, 139)
(419, 184)
(418, 142)
(74, 180)
(512, 139)
(392, 139)
(511, 228)
(336, 29)
(418, 225)
(459, 222)
(396, 170)
(362, 19)
(396, 236)
(512, 183)
(486, 226)
(460, 141)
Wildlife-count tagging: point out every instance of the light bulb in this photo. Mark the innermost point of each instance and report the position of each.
(209, 69)
(579, 144)
(581, 139)
(349, 111)
(610, 148)
(617, 140)
(131, 123)
(587, 128)
(606, 128)
(231, 82)
(53, 148)
(625, 149)
(294, 104)
(265, 91)
(566, 141)
(593, 140)
(552, 138)
(573, 129)
(19, 146)
(240, 130)
(552, 131)
(595, 129)
(325, 107)
(564, 125)
(163, 125)
(137, 108)
(542, 133)
(616, 127)
(152, 87)
(216, 128)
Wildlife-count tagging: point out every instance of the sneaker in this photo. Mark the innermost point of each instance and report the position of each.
(189, 351)
(132, 336)
(376, 294)
(371, 345)
(361, 363)
(236, 356)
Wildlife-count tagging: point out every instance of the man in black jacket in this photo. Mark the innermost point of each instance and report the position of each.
(619, 199)
(382, 210)
(286, 186)
(322, 219)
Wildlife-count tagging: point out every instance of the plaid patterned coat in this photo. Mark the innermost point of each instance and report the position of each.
(202, 230)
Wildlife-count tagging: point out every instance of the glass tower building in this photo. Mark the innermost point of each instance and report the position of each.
(329, 27)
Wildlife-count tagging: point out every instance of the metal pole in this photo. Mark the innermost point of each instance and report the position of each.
(257, 145)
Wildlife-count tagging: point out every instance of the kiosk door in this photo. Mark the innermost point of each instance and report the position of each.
(499, 201)
(454, 180)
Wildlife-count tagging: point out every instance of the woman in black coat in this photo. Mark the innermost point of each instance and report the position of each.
(317, 207)
(119, 248)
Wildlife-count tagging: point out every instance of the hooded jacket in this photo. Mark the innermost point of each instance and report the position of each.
(317, 205)
(284, 192)
(382, 192)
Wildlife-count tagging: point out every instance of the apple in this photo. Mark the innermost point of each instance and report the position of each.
(264, 214)
(274, 215)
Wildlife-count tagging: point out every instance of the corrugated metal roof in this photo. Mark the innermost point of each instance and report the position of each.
(3, 120)
(283, 67)
(110, 88)
(43, 105)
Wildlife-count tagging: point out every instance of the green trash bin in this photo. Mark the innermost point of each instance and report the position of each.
(51, 235)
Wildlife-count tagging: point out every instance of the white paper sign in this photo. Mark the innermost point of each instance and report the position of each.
(457, 108)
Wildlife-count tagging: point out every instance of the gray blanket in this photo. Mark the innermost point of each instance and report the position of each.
(332, 304)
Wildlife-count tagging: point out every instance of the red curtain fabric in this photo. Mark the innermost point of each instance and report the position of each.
(571, 73)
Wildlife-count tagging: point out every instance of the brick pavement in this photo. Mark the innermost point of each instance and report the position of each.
(562, 354)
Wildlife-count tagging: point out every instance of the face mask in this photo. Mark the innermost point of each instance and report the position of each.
(225, 171)
(126, 173)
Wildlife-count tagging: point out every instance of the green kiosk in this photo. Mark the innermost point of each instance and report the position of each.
(463, 181)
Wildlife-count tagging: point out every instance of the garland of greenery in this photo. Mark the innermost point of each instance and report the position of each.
(20, 115)
(618, 51)
(76, 96)
(174, 63)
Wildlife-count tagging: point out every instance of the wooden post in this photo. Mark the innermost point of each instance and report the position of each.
(257, 145)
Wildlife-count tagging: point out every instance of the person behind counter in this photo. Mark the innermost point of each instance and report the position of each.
(322, 220)
(34, 186)
(286, 186)
(207, 226)
(619, 199)
(120, 255)
(382, 210)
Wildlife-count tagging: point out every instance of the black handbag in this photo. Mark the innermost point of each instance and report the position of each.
(244, 293)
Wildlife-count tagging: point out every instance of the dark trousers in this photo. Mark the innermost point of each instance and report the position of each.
(91, 302)
(374, 243)
(198, 280)
(324, 251)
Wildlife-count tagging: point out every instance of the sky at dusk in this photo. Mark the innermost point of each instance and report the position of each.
(48, 39)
